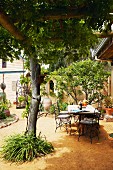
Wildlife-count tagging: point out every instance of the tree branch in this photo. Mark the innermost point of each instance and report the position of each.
(48, 15)
(6, 23)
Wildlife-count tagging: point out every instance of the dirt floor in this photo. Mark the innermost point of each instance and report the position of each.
(70, 154)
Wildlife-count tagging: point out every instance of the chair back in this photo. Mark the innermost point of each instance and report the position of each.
(97, 115)
(91, 118)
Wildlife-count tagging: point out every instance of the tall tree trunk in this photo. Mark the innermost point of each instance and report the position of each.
(35, 101)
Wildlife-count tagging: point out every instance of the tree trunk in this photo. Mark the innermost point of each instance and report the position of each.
(35, 101)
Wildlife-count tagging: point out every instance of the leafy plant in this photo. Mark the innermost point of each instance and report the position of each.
(2, 115)
(52, 109)
(57, 107)
(108, 101)
(63, 105)
(21, 99)
(85, 77)
(25, 113)
(25, 147)
(3, 106)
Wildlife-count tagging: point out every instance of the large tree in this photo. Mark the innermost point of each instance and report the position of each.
(47, 30)
(86, 77)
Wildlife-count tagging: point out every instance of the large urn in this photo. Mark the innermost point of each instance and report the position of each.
(47, 102)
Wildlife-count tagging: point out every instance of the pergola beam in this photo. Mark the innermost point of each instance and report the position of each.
(6, 23)
(48, 15)
(63, 13)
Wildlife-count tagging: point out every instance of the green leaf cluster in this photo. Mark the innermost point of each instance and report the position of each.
(21, 147)
(52, 39)
(82, 77)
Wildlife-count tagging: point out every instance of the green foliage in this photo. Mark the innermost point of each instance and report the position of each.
(89, 75)
(20, 147)
(25, 80)
(4, 106)
(59, 106)
(2, 115)
(21, 99)
(53, 39)
(25, 113)
(108, 101)
(9, 46)
(49, 39)
(62, 105)
(41, 107)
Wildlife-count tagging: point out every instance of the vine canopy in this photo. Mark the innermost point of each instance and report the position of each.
(51, 28)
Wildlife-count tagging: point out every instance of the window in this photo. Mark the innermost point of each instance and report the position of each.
(4, 64)
(51, 85)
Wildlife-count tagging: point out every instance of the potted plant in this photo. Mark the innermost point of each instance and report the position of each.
(21, 102)
(108, 103)
(4, 109)
(85, 102)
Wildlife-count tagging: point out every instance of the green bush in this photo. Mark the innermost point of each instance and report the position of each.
(25, 147)
(52, 109)
(3, 107)
(2, 115)
(63, 106)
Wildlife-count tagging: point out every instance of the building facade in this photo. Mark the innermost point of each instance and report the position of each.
(9, 74)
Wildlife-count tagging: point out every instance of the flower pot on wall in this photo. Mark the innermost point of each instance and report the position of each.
(109, 111)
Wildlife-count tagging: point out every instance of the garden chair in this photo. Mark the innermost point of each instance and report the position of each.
(62, 119)
(89, 126)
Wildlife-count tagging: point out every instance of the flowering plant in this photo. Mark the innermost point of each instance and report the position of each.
(85, 101)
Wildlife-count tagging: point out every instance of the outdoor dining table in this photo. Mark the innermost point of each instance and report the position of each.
(85, 112)
(82, 113)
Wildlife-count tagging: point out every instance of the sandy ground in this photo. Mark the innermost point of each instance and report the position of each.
(70, 154)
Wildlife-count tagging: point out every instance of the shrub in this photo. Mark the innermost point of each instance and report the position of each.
(52, 109)
(25, 147)
(2, 115)
(3, 107)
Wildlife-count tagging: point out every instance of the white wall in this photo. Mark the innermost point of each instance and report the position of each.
(11, 79)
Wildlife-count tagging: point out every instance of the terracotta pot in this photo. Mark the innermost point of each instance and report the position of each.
(109, 111)
(7, 112)
(47, 103)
